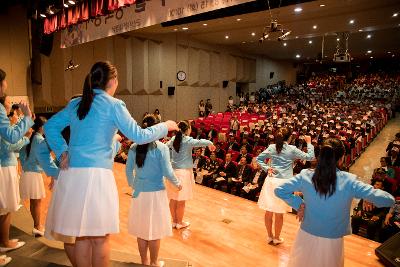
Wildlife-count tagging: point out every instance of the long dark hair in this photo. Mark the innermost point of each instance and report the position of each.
(183, 127)
(98, 77)
(3, 98)
(281, 136)
(141, 150)
(2, 75)
(39, 122)
(324, 178)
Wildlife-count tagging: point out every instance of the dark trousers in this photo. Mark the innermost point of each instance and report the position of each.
(372, 226)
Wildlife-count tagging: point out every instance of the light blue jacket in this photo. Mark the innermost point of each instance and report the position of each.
(149, 178)
(282, 163)
(7, 151)
(91, 139)
(39, 159)
(13, 134)
(183, 159)
(329, 217)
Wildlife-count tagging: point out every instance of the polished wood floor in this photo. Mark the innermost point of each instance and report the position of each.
(229, 231)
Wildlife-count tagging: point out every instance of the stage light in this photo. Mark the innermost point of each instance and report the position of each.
(185, 28)
(351, 21)
(65, 5)
(369, 36)
(42, 15)
(298, 9)
(205, 24)
(395, 15)
(314, 27)
(369, 51)
(298, 56)
(321, 5)
(226, 36)
(238, 19)
(253, 34)
(284, 44)
(310, 42)
(71, 2)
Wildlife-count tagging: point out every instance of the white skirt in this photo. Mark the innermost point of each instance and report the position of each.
(312, 251)
(268, 200)
(84, 203)
(9, 189)
(186, 177)
(149, 216)
(31, 186)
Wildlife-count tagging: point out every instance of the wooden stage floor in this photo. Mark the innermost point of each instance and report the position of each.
(226, 231)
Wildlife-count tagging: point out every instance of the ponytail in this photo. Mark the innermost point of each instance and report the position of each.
(183, 127)
(100, 74)
(87, 98)
(281, 136)
(39, 122)
(141, 150)
(324, 178)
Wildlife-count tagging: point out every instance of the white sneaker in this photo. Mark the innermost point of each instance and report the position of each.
(37, 232)
(269, 240)
(278, 241)
(5, 260)
(183, 225)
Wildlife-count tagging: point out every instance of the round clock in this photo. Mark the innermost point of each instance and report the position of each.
(181, 75)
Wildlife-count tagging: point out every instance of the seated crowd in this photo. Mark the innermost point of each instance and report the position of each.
(321, 108)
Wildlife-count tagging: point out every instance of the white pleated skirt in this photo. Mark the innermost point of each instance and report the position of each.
(9, 190)
(312, 251)
(149, 216)
(268, 200)
(31, 186)
(186, 177)
(84, 203)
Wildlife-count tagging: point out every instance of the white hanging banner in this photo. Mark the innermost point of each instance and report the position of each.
(139, 15)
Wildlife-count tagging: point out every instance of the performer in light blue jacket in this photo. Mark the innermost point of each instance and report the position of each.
(36, 158)
(280, 167)
(149, 216)
(325, 207)
(85, 207)
(9, 185)
(182, 146)
(12, 134)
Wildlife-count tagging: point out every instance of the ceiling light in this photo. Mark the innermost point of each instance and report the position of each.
(321, 5)
(226, 37)
(351, 21)
(297, 56)
(338, 39)
(310, 42)
(205, 24)
(66, 5)
(297, 37)
(371, 57)
(314, 27)
(185, 28)
(238, 19)
(389, 52)
(369, 36)
(369, 51)
(395, 14)
(71, 2)
(253, 34)
(175, 29)
(298, 9)
(360, 30)
(42, 15)
(393, 55)
(243, 42)
(284, 44)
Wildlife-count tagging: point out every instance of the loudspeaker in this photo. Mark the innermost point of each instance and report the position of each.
(271, 75)
(225, 84)
(46, 44)
(389, 252)
(171, 90)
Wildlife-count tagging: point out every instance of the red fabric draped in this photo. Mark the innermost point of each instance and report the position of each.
(82, 12)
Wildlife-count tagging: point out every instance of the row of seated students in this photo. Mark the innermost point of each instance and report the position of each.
(379, 224)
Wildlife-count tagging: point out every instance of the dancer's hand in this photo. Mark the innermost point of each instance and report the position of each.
(24, 105)
(118, 137)
(300, 212)
(367, 206)
(64, 161)
(172, 126)
(211, 148)
(271, 172)
(51, 185)
(307, 138)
